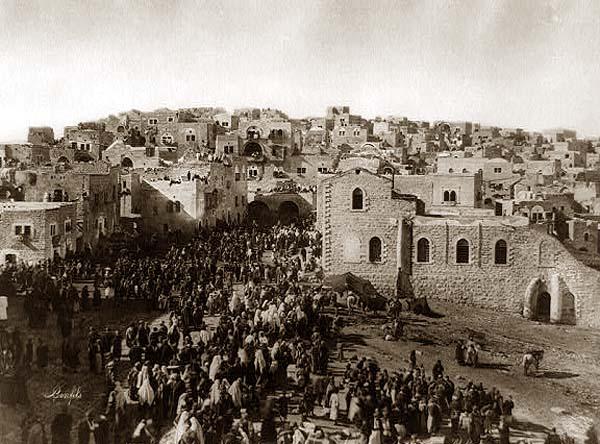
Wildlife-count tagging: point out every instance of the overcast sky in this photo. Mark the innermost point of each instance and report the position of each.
(533, 64)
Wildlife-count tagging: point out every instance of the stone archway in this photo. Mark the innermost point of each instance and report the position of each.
(531, 297)
(63, 159)
(252, 149)
(549, 301)
(260, 213)
(288, 212)
(126, 162)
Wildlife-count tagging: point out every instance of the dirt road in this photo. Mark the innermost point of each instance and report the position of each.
(565, 393)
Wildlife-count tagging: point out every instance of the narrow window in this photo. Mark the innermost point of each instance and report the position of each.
(375, 250)
(357, 199)
(446, 196)
(500, 252)
(462, 252)
(452, 196)
(423, 250)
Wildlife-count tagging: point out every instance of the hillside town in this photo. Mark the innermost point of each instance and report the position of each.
(199, 275)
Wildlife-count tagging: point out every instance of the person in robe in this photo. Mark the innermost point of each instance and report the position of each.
(144, 388)
(215, 367)
(86, 429)
(235, 391)
(60, 428)
(334, 406)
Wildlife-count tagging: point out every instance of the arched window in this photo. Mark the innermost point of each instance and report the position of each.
(375, 250)
(190, 135)
(452, 196)
(462, 252)
(586, 237)
(450, 170)
(446, 196)
(357, 199)
(423, 250)
(500, 252)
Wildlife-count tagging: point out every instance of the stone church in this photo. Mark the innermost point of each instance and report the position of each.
(375, 229)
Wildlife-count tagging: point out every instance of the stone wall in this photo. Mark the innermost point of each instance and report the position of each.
(96, 195)
(347, 232)
(430, 189)
(219, 195)
(27, 153)
(39, 246)
(531, 256)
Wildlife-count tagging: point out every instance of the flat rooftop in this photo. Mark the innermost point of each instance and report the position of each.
(513, 221)
(28, 206)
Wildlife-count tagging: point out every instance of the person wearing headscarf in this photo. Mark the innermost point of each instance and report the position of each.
(215, 367)
(235, 391)
(145, 390)
(181, 426)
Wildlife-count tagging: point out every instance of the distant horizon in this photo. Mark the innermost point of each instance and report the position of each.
(58, 131)
(532, 64)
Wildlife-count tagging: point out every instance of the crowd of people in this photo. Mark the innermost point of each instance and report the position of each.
(216, 362)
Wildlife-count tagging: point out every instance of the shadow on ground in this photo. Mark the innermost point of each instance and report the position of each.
(557, 375)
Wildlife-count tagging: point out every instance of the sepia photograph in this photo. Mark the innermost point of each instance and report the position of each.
(300, 222)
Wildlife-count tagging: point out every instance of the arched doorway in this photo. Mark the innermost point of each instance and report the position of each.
(126, 162)
(82, 156)
(252, 149)
(288, 212)
(542, 309)
(260, 213)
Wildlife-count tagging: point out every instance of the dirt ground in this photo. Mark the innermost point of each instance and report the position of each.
(565, 392)
(89, 389)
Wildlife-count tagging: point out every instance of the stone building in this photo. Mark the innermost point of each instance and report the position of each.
(42, 135)
(264, 142)
(25, 154)
(316, 139)
(354, 135)
(93, 186)
(166, 128)
(87, 140)
(381, 233)
(458, 193)
(228, 144)
(36, 231)
(361, 217)
(227, 121)
(583, 234)
(132, 157)
(195, 195)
